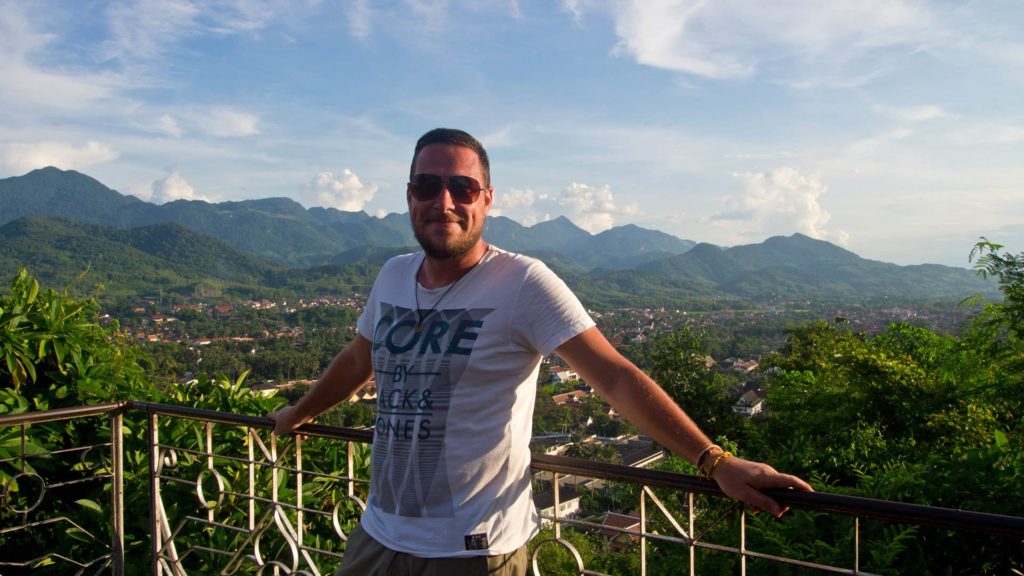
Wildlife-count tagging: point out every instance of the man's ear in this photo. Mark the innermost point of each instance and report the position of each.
(488, 198)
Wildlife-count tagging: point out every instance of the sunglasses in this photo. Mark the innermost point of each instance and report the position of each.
(427, 187)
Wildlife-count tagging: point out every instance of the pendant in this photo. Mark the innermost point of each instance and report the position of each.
(418, 327)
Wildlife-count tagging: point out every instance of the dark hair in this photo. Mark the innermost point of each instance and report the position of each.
(457, 138)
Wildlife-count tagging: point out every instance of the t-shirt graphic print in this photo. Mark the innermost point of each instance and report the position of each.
(417, 372)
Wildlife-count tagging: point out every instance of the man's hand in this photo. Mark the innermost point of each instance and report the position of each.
(286, 420)
(744, 480)
(350, 370)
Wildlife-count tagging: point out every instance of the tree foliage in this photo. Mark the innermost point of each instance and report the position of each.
(909, 415)
(56, 354)
(677, 361)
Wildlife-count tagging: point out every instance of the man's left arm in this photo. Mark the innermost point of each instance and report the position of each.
(641, 401)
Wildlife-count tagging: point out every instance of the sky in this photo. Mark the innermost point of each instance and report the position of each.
(893, 128)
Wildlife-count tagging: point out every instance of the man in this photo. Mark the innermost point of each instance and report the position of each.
(454, 337)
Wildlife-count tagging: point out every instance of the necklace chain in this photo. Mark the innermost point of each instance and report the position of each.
(420, 317)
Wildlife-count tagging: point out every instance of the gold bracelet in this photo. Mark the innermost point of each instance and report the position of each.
(718, 460)
(704, 454)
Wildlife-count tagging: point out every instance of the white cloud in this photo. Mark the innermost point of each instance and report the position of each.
(18, 158)
(779, 202)
(143, 29)
(173, 187)
(573, 7)
(732, 38)
(29, 84)
(866, 150)
(515, 198)
(913, 114)
(227, 122)
(593, 209)
(655, 33)
(344, 191)
(988, 133)
(218, 121)
(499, 139)
(515, 10)
(916, 114)
(360, 18)
(169, 125)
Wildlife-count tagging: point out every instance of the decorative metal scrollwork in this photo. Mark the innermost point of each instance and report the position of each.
(92, 466)
(337, 522)
(209, 504)
(561, 542)
(168, 459)
(21, 489)
(286, 531)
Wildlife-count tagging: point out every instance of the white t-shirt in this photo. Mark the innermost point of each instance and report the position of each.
(451, 457)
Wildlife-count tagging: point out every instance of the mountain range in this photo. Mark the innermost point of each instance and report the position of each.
(59, 223)
(282, 231)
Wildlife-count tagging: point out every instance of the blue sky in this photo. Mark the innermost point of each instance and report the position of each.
(894, 128)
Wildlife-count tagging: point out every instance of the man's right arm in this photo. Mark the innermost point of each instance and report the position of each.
(350, 370)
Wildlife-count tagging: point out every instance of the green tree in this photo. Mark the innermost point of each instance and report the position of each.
(905, 415)
(677, 362)
(56, 354)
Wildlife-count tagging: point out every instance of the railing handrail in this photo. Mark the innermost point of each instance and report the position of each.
(56, 414)
(858, 506)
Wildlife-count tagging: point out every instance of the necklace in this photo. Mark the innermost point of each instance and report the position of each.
(420, 317)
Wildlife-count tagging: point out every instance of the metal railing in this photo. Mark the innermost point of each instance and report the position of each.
(179, 491)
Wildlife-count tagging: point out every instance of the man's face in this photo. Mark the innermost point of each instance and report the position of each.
(445, 228)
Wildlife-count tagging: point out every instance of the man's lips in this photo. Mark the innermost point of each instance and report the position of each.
(445, 221)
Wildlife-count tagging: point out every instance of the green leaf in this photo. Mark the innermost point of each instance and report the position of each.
(33, 290)
(1000, 438)
(90, 504)
(79, 534)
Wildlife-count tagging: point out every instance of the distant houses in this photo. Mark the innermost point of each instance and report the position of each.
(614, 526)
(636, 451)
(568, 503)
(571, 398)
(752, 402)
(563, 375)
(738, 365)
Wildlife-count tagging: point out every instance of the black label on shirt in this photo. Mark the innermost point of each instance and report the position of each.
(476, 542)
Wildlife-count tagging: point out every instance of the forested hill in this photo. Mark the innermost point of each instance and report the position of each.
(259, 246)
(794, 266)
(161, 258)
(170, 258)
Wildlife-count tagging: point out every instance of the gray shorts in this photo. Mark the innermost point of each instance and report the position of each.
(364, 556)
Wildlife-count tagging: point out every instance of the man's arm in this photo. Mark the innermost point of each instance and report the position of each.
(641, 401)
(350, 370)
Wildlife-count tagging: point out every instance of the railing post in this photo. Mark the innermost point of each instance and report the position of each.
(154, 491)
(856, 544)
(117, 492)
(558, 519)
(252, 478)
(643, 531)
(298, 491)
(208, 428)
(693, 539)
(351, 463)
(743, 542)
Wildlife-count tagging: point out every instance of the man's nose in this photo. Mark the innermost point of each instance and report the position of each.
(444, 199)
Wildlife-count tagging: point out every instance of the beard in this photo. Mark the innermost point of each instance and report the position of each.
(452, 246)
